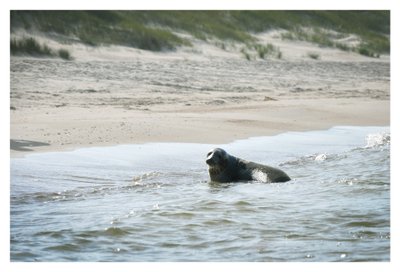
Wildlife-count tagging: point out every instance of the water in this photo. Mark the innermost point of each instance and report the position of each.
(153, 202)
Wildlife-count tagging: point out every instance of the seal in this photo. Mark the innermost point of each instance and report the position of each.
(223, 167)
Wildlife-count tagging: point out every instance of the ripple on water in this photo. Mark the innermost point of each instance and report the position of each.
(184, 215)
(64, 247)
(115, 231)
(337, 208)
(220, 222)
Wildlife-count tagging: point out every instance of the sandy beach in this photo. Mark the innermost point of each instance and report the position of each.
(204, 94)
(113, 113)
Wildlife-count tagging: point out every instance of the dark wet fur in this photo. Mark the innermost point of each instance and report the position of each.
(227, 168)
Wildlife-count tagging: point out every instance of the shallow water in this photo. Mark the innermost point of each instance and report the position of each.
(153, 202)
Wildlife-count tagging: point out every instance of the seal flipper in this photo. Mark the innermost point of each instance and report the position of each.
(282, 178)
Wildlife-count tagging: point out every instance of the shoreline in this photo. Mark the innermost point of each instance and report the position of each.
(202, 94)
(40, 130)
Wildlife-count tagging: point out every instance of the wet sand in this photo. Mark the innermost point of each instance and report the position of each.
(56, 129)
(117, 96)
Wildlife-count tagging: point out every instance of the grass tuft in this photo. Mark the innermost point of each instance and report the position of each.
(267, 50)
(324, 38)
(246, 54)
(64, 54)
(29, 46)
(365, 51)
(314, 56)
(253, 50)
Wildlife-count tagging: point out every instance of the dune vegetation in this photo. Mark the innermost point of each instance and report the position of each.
(30, 46)
(160, 30)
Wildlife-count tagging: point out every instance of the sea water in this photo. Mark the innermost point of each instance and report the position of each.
(153, 202)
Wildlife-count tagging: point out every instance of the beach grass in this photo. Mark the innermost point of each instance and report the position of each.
(160, 30)
(314, 55)
(252, 51)
(365, 50)
(246, 54)
(372, 46)
(30, 46)
(267, 50)
(64, 54)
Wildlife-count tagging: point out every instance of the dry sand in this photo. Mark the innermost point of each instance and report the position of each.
(204, 94)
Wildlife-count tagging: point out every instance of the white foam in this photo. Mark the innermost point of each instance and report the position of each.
(377, 139)
(321, 157)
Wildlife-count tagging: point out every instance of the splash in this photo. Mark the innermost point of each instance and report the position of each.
(377, 139)
(321, 157)
(138, 179)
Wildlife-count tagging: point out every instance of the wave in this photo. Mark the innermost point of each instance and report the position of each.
(377, 140)
(147, 181)
(313, 158)
(372, 141)
(137, 180)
